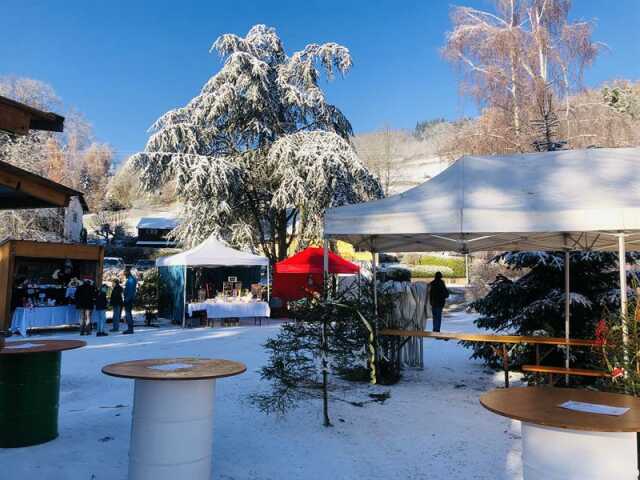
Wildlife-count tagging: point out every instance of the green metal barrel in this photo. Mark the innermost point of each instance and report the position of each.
(29, 395)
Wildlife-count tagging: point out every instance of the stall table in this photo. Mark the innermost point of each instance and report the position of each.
(558, 443)
(30, 390)
(172, 424)
(25, 318)
(221, 310)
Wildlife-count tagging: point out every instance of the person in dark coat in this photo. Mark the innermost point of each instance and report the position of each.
(116, 304)
(129, 295)
(101, 311)
(438, 295)
(85, 298)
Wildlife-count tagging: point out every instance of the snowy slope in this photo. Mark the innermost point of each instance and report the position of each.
(432, 427)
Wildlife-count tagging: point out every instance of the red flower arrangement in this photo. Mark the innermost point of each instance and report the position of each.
(617, 372)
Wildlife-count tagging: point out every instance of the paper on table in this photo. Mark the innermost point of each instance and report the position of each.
(170, 367)
(594, 408)
(23, 345)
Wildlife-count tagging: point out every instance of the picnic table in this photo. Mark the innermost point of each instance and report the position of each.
(561, 443)
(172, 424)
(502, 341)
(30, 390)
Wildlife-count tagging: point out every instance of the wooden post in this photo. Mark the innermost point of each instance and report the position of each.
(505, 364)
(567, 310)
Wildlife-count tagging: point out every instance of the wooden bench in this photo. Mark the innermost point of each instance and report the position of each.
(502, 340)
(551, 371)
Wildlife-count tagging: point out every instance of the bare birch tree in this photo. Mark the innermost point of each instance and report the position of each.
(510, 55)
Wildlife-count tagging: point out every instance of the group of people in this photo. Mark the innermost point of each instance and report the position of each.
(89, 299)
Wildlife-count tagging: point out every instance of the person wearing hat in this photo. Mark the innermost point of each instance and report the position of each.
(85, 298)
(438, 295)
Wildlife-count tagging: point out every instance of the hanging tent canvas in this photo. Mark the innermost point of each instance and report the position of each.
(294, 276)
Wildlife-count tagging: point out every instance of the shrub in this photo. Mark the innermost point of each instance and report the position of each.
(428, 271)
(455, 264)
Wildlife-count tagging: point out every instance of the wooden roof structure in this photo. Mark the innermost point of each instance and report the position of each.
(19, 119)
(21, 189)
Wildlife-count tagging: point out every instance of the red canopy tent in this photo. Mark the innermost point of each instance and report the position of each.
(294, 276)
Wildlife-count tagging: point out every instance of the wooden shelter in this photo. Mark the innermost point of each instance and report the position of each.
(20, 189)
(19, 119)
(14, 253)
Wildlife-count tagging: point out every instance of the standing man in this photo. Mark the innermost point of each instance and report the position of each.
(438, 295)
(116, 304)
(129, 297)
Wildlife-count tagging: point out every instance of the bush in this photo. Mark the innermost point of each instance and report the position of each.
(429, 271)
(455, 264)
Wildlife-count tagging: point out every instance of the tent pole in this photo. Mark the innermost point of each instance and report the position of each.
(184, 297)
(325, 267)
(374, 271)
(622, 262)
(567, 309)
(268, 284)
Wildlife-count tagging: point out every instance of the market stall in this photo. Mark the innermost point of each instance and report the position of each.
(214, 278)
(295, 276)
(38, 280)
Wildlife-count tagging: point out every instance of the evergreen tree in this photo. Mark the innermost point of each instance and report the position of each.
(534, 303)
(329, 337)
(260, 153)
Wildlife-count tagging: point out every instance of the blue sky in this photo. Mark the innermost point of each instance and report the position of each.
(124, 63)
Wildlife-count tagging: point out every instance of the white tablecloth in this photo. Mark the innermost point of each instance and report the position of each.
(25, 318)
(231, 309)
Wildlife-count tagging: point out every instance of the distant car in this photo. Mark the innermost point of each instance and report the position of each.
(144, 265)
(113, 263)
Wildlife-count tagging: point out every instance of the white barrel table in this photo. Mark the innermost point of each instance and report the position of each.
(558, 443)
(172, 419)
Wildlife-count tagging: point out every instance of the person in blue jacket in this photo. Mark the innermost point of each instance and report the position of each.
(129, 295)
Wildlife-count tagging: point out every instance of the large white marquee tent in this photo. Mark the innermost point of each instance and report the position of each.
(567, 200)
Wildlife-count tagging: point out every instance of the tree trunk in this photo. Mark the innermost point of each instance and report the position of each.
(325, 376)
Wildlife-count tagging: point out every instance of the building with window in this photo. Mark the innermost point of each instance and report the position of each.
(154, 232)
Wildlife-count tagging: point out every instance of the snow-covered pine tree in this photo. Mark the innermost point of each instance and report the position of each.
(259, 154)
(534, 303)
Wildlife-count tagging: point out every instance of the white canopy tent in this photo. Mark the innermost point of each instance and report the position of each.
(566, 200)
(212, 253)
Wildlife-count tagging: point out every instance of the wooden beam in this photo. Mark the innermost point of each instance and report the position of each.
(475, 337)
(14, 120)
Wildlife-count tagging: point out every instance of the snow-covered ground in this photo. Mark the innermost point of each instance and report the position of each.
(432, 427)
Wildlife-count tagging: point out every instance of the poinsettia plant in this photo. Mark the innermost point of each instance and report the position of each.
(620, 357)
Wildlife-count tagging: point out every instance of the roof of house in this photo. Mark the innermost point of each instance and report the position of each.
(18, 118)
(20, 189)
(160, 223)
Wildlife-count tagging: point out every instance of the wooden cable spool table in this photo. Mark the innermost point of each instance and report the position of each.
(558, 443)
(30, 390)
(172, 419)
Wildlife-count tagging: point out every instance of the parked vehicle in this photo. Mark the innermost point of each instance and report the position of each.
(113, 263)
(143, 265)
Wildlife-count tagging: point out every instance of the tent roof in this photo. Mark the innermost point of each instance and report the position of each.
(212, 253)
(577, 199)
(311, 260)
